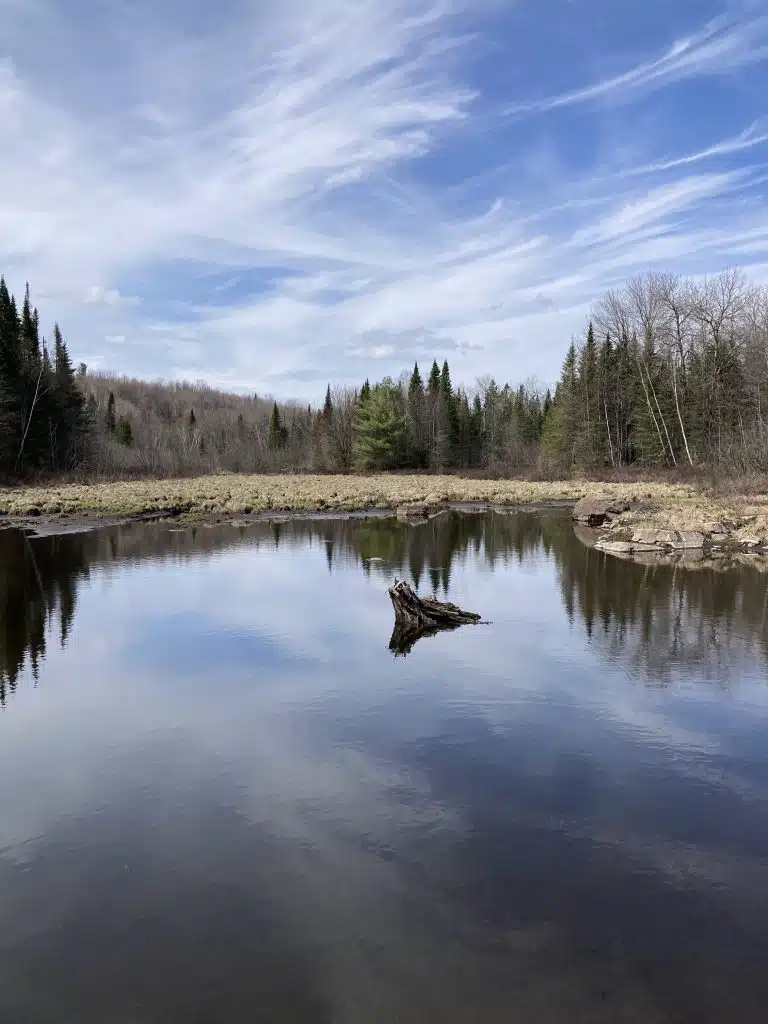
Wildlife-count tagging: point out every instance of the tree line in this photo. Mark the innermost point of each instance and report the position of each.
(43, 420)
(669, 373)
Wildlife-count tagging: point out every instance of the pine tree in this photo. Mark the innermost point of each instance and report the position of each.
(380, 432)
(433, 385)
(365, 392)
(275, 437)
(328, 406)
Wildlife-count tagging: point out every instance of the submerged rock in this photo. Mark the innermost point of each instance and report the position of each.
(616, 547)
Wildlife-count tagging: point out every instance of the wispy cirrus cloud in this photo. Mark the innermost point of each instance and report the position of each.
(276, 194)
(721, 46)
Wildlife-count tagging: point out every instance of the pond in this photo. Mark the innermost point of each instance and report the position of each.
(223, 799)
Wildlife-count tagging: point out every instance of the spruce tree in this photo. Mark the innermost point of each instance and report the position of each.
(10, 379)
(415, 420)
(586, 450)
(328, 406)
(109, 419)
(69, 411)
(433, 385)
(34, 391)
(365, 392)
(275, 436)
(560, 426)
(449, 412)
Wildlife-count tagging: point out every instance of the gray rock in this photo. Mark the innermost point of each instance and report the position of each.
(750, 542)
(688, 539)
(616, 547)
(669, 538)
(659, 538)
(595, 511)
(718, 538)
(645, 547)
(644, 536)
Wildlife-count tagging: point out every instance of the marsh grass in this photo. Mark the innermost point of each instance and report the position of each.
(676, 505)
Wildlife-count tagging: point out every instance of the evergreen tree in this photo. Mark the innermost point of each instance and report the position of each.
(449, 413)
(476, 433)
(10, 379)
(433, 385)
(328, 406)
(560, 426)
(586, 450)
(275, 437)
(446, 387)
(34, 387)
(380, 432)
(68, 418)
(415, 387)
(192, 420)
(652, 414)
(417, 443)
(109, 419)
(124, 432)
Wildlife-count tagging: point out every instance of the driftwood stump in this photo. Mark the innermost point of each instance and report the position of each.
(416, 617)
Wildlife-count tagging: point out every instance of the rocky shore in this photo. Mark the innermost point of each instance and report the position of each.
(642, 532)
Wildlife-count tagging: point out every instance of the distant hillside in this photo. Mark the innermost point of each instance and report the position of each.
(169, 429)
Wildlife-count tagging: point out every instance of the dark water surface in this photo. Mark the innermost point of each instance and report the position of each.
(222, 799)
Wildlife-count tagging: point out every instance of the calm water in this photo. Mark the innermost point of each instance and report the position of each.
(222, 799)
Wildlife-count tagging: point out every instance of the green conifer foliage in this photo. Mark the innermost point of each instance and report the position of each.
(275, 437)
(380, 431)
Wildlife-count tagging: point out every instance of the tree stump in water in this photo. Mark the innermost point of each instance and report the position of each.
(416, 617)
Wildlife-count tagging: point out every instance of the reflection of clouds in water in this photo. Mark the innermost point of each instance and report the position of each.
(405, 800)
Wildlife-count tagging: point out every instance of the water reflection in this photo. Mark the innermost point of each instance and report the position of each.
(226, 800)
(656, 620)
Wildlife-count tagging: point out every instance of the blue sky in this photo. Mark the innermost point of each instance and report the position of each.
(271, 194)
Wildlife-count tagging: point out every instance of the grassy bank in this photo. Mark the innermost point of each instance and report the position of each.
(678, 506)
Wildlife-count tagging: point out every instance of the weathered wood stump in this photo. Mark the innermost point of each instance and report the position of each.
(417, 617)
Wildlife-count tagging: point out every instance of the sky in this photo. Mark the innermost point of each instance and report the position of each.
(270, 195)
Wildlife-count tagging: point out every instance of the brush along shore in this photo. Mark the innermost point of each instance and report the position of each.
(652, 505)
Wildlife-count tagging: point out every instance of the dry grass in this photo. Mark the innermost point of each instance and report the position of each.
(676, 505)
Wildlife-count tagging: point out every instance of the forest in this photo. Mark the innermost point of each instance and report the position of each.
(668, 373)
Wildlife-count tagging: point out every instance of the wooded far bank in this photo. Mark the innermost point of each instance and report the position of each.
(669, 373)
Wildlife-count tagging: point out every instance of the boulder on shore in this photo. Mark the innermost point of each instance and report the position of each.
(688, 540)
(594, 511)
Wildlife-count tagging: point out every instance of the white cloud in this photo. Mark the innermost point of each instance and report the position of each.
(719, 47)
(251, 175)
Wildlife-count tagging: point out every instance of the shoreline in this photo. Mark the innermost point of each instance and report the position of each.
(738, 522)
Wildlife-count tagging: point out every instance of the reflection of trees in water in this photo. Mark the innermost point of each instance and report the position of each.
(659, 619)
(651, 619)
(38, 583)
